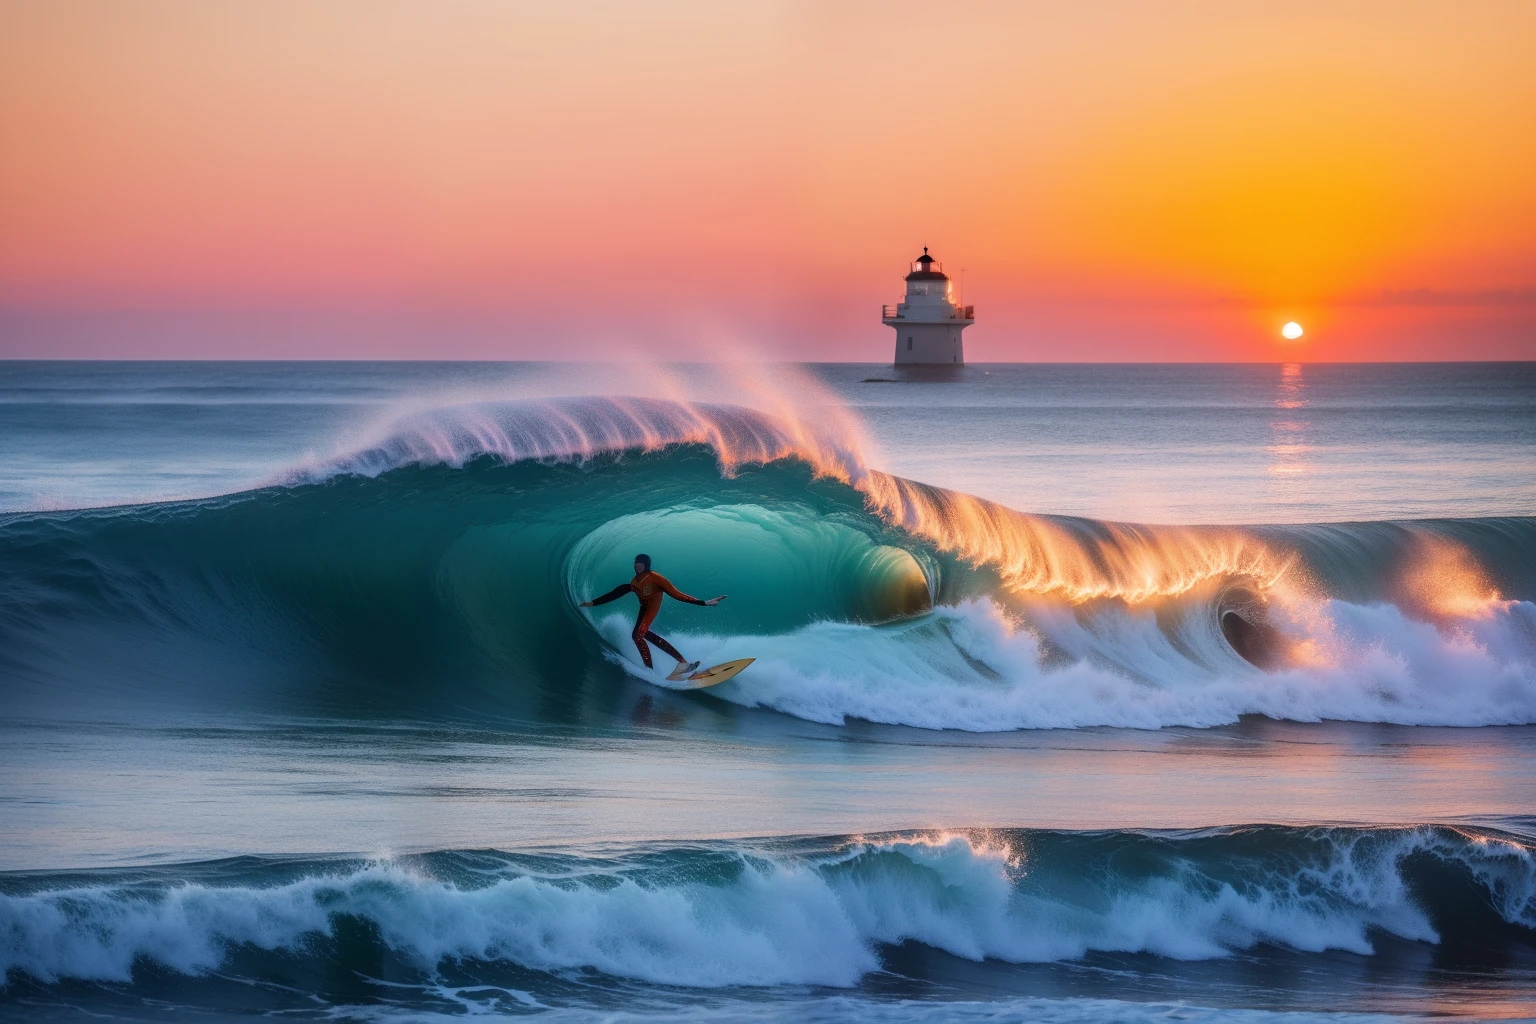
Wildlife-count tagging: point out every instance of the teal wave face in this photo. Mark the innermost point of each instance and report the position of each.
(443, 570)
(435, 573)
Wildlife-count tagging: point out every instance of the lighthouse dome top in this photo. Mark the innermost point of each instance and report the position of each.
(925, 271)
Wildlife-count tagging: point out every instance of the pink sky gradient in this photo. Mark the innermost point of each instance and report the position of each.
(468, 178)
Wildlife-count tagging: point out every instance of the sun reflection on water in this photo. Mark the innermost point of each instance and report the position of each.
(1288, 432)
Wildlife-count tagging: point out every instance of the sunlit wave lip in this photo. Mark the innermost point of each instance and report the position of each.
(1038, 555)
(1079, 561)
(584, 427)
(1033, 554)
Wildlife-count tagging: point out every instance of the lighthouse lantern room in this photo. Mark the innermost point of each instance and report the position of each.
(928, 323)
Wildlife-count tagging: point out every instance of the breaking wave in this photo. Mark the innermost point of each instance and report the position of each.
(441, 562)
(822, 912)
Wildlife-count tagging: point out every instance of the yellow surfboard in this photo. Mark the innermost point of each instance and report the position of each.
(716, 673)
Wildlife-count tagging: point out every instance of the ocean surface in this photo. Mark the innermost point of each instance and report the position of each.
(1132, 693)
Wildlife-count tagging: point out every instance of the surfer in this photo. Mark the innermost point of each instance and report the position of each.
(649, 586)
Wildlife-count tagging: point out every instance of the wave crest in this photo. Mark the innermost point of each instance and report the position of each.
(1079, 560)
(579, 428)
(819, 915)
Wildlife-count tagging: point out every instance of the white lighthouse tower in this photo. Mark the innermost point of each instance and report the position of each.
(928, 323)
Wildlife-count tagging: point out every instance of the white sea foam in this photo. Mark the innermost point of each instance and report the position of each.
(774, 920)
(974, 667)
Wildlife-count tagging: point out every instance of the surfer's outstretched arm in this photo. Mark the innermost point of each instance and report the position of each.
(673, 592)
(612, 595)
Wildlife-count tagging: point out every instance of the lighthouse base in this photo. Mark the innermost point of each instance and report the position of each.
(928, 344)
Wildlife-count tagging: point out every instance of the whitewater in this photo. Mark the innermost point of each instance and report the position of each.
(1074, 688)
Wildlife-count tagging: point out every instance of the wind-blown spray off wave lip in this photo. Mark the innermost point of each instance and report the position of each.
(773, 913)
(455, 544)
(565, 429)
(1036, 554)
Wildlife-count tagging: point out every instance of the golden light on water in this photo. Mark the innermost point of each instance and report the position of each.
(1291, 331)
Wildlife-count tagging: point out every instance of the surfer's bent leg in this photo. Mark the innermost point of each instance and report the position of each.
(659, 642)
(641, 630)
(645, 652)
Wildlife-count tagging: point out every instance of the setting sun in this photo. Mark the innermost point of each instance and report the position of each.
(1291, 331)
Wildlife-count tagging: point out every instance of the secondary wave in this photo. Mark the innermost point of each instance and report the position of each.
(823, 912)
(442, 560)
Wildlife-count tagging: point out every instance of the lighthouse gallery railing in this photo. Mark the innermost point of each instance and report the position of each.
(957, 313)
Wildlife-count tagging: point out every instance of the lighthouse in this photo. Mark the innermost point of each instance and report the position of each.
(927, 322)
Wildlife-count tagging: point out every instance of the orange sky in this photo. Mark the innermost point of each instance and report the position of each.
(1137, 180)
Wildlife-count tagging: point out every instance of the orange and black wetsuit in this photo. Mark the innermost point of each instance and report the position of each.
(648, 586)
